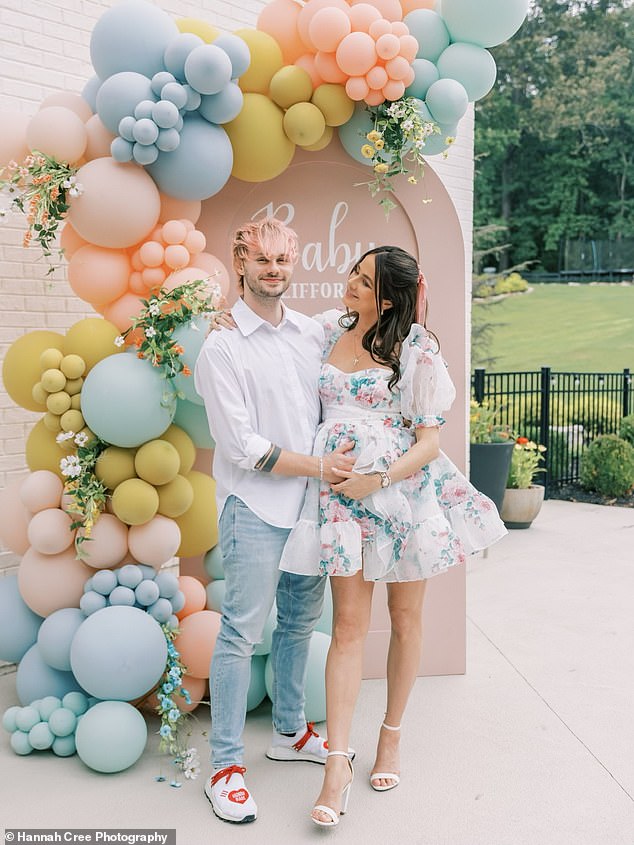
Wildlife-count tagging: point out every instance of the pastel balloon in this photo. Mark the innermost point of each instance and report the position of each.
(50, 582)
(49, 531)
(214, 268)
(397, 68)
(120, 312)
(183, 444)
(223, 106)
(92, 339)
(134, 501)
(307, 13)
(213, 564)
(328, 69)
(131, 36)
(13, 145)
(447, 100)
(409, 5)
(40, 490)
(19, 625)
(157, 462)
(323, 142)
(215, 595)
(119, 206)
(178, 50)
(89, 92)
(429, 29)
(328, 27)
(237, 51)
(122, 401)
(119, 95)
(304, 123)
(111, 736)
(353, 133)
(392, 90)
(175, 209)
(207, 69)
(266, 59)
(363, 15)
(35, 679)
(199, 167)
(307, 62)
(199, 524)
(356, 54)
(14, 517)
(194, 593)
(41, 449)
(99, 139)
(261, 148)
(191, 337)
(438, 143)
(489, 23)
(279, 19)
(107, 544)
(357, 88)
(192, 418)
(99, 275)
(156, 541)
(21, 366)
(57, 132)
(56, 635)
(196, 640)
(388, 46)
(472, 66)
(315, 690)
(202, 29)
(425, 74)
(290, 85)
(74, 102)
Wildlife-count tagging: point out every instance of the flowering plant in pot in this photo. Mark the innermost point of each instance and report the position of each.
(491, 447)
(522, 497)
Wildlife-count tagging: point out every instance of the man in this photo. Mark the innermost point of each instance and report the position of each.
(259, 384)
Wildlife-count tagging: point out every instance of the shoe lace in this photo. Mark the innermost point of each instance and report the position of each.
(227, 773)
(309, 732)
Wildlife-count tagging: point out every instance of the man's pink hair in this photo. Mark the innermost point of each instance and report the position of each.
(267, 236)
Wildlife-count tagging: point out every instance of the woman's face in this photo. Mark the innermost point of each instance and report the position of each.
(359, 295)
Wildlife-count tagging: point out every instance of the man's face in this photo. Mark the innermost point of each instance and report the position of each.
(266, 276)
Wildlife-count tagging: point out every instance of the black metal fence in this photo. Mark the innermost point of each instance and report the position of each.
(562, 411)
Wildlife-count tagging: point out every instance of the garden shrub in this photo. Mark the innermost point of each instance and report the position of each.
(607, 466)
(626, 429)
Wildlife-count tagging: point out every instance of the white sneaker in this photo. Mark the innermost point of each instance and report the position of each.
(306, 745)
(231, 801)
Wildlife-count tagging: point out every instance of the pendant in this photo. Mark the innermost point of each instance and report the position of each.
(355, 361)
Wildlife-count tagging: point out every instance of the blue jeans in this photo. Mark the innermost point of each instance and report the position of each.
(251, 551)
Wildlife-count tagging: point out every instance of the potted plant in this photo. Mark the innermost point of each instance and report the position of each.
(522, 498)
(491, 447)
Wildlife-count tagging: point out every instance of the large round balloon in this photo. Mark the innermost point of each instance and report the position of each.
(131, 36)
(57, 132)
(42, 452)
(13, 145)
(192, 418)
(18, 624)
(184, 445)
(119, 206)
(56, 634)
(279, 19)
(14, 517)
(36, 679)
(118, 653)
(472, 66)
(92, 339)
(123, 401)
(99, 275)
(99, 139)
(261, 148)
(266, 59)
(430, 30)
(315, 691)
(119, 95)
(21, 368)
(198, 525)
(191, 337)
(353, 133)
(487, 23)
(201, 164)
(447, 101)
(111, 736)
(196, 640)
(107, 544)
(50, 582)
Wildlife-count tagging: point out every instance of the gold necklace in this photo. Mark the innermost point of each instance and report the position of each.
(356, 357)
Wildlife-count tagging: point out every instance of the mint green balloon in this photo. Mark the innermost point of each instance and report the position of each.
(436, 144)
(324, 623)
(447, 101)
(215, 595)
(111, 736)
(264, 647)
(487, 22)
(213, 564)
(425, 74)
(191, 337)
(315, 690)
(472, 66)
(353, 133)
(41, 737)
(429, 29)
(64, 746)
(193, 420)
(257, 685)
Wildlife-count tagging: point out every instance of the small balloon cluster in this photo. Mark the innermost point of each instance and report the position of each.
(170, 246)
(135, 585)
(59, 389)
(47, 723)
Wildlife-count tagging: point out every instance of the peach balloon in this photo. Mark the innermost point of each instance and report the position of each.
(197, 688)
(387, 46)
(174, 232)
(308, 12)
(195, 241)
(151, 254)
(409, 47)
(307, 63)
(119, 205)
(14, 518)
(57, 132)
(279, 19)
(393, 90)
(176, 256)
(192, 274)
(122, 310)
(41, 490)
(390, 9)
(399, 29)
(155, 542)
(99, 275)
(175, 209)
(397, 68)
(196, 641)
(357, 53)
(13, 145)
(151, 277)
(50, 582)
(374, 98)
(194, 592)
(362, 16)
(74, 102)
(376, 78)
(108, 543)
(357, 88)
(70, 241)
(99, 139)
(327, 27)
(49, 531)
(409, 76)
(209, 264)
(327, 67)
(379, 27)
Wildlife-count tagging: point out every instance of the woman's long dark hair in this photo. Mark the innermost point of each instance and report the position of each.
(395, 278)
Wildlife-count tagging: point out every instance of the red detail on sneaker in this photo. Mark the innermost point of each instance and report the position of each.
(226, 773)
(309, 732)
(238, 796)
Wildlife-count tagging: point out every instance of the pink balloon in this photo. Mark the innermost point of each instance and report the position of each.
(393, 90)
(307, 13)
(174, 232)
(135, 258)
(357, 88)
(196, 687)
(99, 139)
(390, 9)
(49, 531)
(176, 256)
(99, 275)
(399, 28)
(195, 595)
(356, 54)
(41, 489)
(196, 641)
(119, 204)
(70, 241)
(188, 224)
(74, 102)
(195, 241)
(174, 209)
(156, 541)
(192, 274)
(210, 265)
(328, 27)
(409, 47)
(279, 19)
(307, 63)
(108, 543)
(122, 310)
(152, 254)
(363, 15)
(137, 282)
(374, 98)
(379, 28)
(57, 132)
(388, 46)
(13, 145)
(49, 582)
(327, 67)
(376, 78)
(14, 518)
(398, 68)
(153, 277)
(409, 76)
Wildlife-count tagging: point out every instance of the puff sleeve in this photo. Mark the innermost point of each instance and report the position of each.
(426, 387)
(332, 330)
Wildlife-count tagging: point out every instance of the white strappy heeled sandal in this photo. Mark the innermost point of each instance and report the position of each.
(333, 816)
(396, 779)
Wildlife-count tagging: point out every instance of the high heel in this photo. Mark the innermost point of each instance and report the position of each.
(333, 817)
(385, 775)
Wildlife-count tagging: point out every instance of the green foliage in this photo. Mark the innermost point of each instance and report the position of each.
(527, 461)
(626, 429)
(607, 466)
(485, 425)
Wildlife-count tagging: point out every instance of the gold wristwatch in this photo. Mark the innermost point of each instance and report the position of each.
(385, 478)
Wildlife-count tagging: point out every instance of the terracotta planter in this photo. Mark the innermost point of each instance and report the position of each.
(489, 469)
(520, 507)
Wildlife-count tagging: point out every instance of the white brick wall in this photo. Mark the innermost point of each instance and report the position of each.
(44, 48)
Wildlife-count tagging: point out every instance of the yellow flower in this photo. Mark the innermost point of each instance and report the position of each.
(373, 136)
(379, 144)
(412, 180)
(381, 167)
(367, 151)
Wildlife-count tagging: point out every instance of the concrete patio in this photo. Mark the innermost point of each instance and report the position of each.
(533, 746)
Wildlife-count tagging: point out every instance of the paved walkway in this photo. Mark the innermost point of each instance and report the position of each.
(533, 746)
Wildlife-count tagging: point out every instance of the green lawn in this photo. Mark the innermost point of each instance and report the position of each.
(589, 328)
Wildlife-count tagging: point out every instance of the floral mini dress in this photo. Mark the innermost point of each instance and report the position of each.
(415, 528)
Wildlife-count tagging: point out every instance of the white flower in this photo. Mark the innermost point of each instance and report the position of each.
(70, 466)
(70, 182)
(76, 191)
(150, 331)
(419, 144)
(119, 340)
(81, 439)
(64, 435)
(154, 309)
(407, 125)
(191, 772)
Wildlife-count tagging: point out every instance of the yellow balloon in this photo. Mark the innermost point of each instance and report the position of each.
(202, 29)
(39, 394)
(333, 102)
(42, 450)
(304, 123)
(115, 465)
(72, 421)
(21, 369)
(52, 422)
(290, 85)
(134, 501)
(157, 462)
(198, 525)
(266, 60)
(58, 403)
(74, 386)
(183, 444)
(175, 497)
(72, 366)
(53, 380)
(323, 142)
(92, 339)
(261, 149)
(50, 359)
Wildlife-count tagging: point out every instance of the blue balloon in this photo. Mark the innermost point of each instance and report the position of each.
(27, 718)
(315, 690)
(62, 722)
(64, 746)
(76, 702)
(208, 69)
(145, 131)
(215, 595)
(147, 593)
(201, 165)
(104, 581)
(50, 703)
(178, 50)
(223, 106)
(160, 79)
(20, 743)
(89, 92)
(118, 653)
(119, 95)
(143, 110)
(193, 419)
(213, 563)
(472, 66)
(168, 140)
(238, 53)
(167, 583)
(191, 337)
(178, 601)
(91, 602)
(487, 23)
(429, 29)
(121, 150)
(145, 153)
(353, 133)
(193, 98)
(129, 575)
(257, 685)
(126, 127)
(111, 736)
(161, 610)
(131, 36)
(9, 718)
(436, 144)
(56, 634)
(41, 737)
(447, 100)
(175, 94)
(122, 596)
(123, 401)
(425, 74)
(18, 624)
(36, 679)
(165, 113)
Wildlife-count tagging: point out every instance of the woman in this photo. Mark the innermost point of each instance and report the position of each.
(403, 515)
